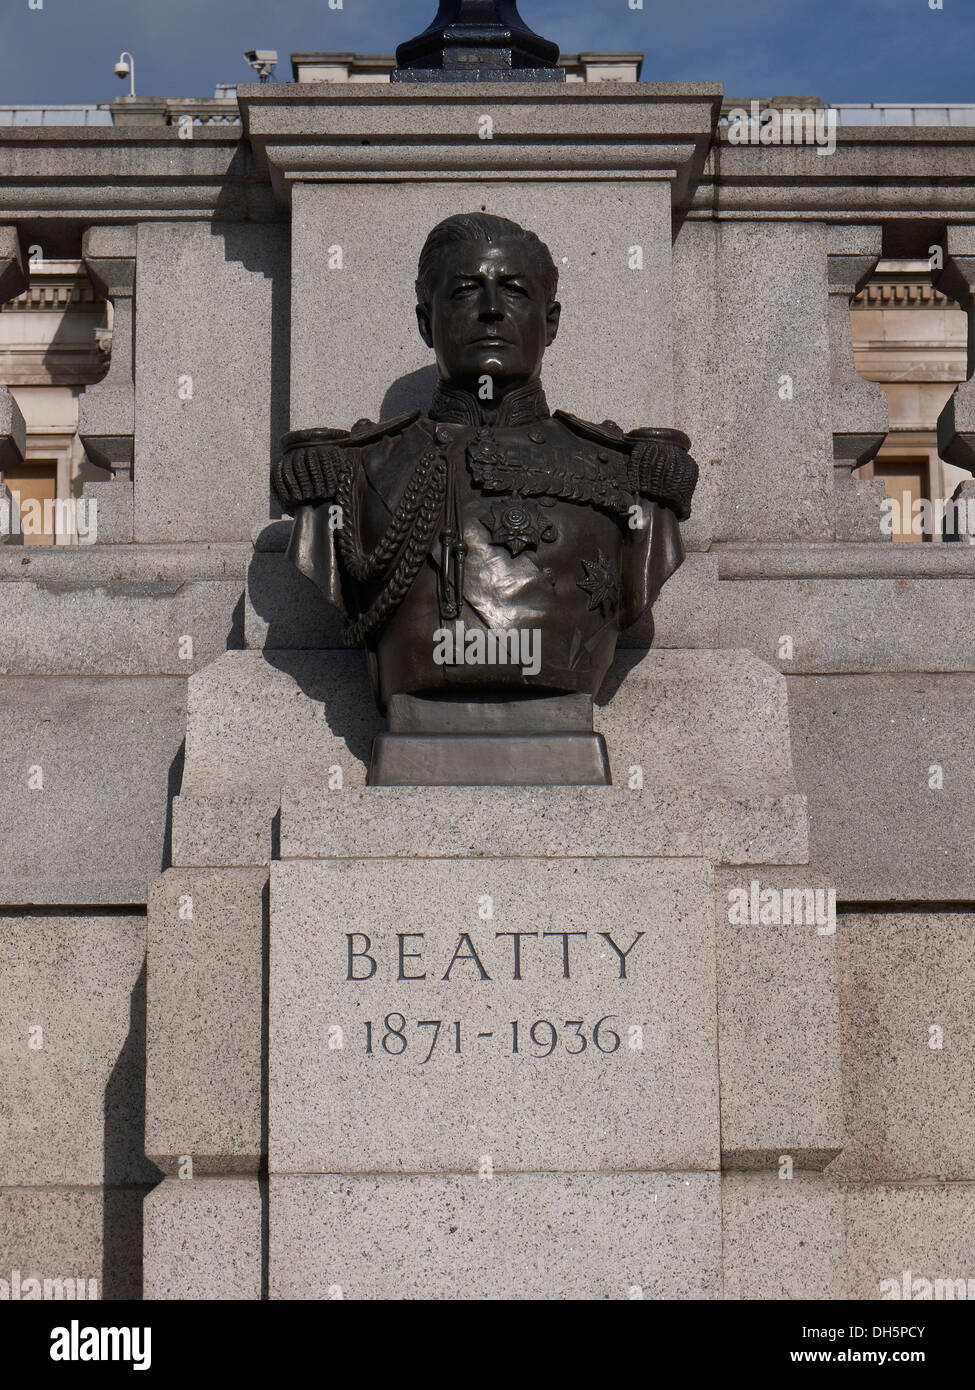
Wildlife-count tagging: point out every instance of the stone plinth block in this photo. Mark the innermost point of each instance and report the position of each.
(205, 1019)
(908, 1012)
(778, 1019)
(106, 419)
(135, 566)
(687, 611)
(261, 720)
(538, 822)
(860, 514)
(905, 1240)
(524, 1236)
(258, 721)
(697, 719)
(232, 830)
(72, 1045)
(85, 771)
(447, 1015)
(886, 762)
(137, 174)
(283, 609)
(59, 627)
(203, 1239)
(956, 425)
(783, 1238)
(75, 1242)
(844, 625)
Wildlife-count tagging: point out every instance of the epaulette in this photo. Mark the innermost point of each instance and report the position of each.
(368, 431)
(608, 433)
(303, 439)
(660, 436)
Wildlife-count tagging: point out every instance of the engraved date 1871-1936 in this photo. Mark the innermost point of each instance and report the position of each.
(539, 1039)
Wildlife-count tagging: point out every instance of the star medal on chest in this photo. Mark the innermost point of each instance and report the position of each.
(518, 526)
(600, 583)
(485, 450)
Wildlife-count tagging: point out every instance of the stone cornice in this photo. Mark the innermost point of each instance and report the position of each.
(876, 173)
(368, 131)
(132, 173)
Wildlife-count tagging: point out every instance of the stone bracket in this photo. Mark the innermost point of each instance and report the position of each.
(956, 424)
(13, 431)
(13, 277)
(13, 446)
(106, 411)
(858, 407)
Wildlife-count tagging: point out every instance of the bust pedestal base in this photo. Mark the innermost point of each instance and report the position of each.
(540, 741)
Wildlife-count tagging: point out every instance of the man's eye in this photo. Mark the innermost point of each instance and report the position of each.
(462, 289)
(516, 289)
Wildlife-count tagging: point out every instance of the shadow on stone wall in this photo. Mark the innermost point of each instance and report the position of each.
(623, 663)
(411, 392)
(343, 691)
(173, 783)
(128, 1174)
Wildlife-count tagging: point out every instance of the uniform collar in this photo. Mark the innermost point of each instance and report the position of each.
(522, 406)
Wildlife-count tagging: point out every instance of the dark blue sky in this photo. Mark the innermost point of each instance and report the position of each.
(840, 50)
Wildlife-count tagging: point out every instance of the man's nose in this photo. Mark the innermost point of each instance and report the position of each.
(491, 309)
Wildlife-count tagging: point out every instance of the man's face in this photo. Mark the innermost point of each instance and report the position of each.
(488, 316)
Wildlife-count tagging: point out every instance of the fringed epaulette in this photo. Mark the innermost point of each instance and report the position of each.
(314, 461)
(659, 465)
(662, 469)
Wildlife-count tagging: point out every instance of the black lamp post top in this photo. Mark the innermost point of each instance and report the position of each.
(478, 40)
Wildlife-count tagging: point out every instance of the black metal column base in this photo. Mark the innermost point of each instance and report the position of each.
(478, 41)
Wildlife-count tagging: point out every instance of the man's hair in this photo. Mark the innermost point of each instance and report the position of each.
(482, 226)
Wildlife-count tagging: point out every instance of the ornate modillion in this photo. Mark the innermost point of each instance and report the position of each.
(488, 553)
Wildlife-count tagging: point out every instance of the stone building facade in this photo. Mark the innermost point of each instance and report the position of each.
(186, 741)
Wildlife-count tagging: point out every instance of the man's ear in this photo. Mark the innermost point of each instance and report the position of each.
(423, 323)
(553, 316)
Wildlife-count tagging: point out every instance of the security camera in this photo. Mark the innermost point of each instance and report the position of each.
(263, 61)
(125, 67)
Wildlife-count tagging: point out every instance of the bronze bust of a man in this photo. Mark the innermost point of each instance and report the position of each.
(487, 548)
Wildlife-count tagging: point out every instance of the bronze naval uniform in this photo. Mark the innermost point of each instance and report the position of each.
(521, 520)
